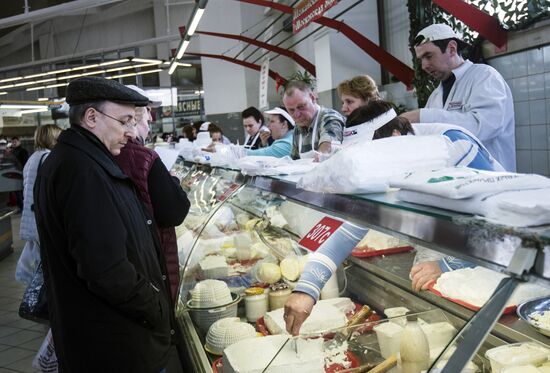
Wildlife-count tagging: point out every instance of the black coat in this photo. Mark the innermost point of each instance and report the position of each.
(106, 283)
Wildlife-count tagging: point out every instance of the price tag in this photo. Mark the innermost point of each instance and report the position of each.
(320, 233)
(230, 189)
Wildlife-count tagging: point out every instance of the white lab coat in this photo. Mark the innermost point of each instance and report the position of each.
(481, 102)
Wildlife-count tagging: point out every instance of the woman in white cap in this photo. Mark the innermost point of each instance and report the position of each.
(281, 126)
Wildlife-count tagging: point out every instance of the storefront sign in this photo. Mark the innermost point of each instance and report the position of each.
(187, 108)
(264, 83)
(308, 11)
(320, 233)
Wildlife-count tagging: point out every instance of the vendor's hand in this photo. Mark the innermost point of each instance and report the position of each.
(297, 309)
(264, 137)
(423, 274)
(210, 148)
(413, 116)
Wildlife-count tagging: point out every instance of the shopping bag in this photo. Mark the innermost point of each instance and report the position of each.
(34, 304)
(45, 360)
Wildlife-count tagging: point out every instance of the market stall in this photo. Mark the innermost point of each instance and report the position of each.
(251, 237)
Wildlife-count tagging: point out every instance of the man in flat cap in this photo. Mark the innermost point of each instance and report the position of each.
(108, 293)
(473, 96)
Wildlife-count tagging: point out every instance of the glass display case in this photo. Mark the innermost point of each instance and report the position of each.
(243, 258)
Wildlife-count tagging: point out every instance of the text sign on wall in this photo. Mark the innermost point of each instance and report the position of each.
(189, 107)
(307, 11)
(320, 233)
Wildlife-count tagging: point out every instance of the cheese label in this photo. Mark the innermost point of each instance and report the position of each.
(320, 233)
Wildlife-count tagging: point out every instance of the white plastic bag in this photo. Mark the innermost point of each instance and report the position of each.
(46, 359)
(367, 167)
(27, 263)
(463, 182)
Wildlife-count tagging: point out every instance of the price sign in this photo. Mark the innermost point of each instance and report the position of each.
(320, 233)
(226, 193)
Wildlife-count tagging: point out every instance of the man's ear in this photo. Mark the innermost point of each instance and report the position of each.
(89, 119)
(452, 48)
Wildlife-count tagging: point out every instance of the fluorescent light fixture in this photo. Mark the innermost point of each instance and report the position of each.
(22, 106)
(7, 86)
(179, 64)
(34, 111)
(36, 88)
(147, 60)
(69, 76)
(43, 99)
(114, 62)
(3, 93)
(93, 73)
(195, 22)
(131, 67)
(134, 74)
(11, 79)
(201, 92)
(182, 49)
(56, 85)
(172, 68)
(84, 67)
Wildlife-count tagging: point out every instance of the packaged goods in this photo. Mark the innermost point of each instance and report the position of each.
(269, 273)
(378, 241)
(389, 338)
(517, 354)
(278, 295)
(414, 349)
(253, 356)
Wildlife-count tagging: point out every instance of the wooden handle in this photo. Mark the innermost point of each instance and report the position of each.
(360, 316)
(385, 365)
(363, 368)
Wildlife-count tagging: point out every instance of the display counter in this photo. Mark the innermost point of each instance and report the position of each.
(237, 224)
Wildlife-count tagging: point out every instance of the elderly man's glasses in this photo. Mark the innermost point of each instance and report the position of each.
(130, 123)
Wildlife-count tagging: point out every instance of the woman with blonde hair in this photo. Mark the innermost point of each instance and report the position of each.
(45, 137)
(357, 92)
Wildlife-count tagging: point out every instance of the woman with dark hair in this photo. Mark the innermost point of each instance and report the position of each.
(189, 132)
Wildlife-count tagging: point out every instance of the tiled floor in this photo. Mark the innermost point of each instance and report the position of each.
(19, 338)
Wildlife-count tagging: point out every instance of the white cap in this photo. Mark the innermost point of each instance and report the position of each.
(437, 31)
(142, 92)
(204, 127)
(284, 113)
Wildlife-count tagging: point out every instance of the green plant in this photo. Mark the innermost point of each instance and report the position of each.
(302, 76)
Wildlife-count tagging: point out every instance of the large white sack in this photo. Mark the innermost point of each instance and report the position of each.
(367, 167)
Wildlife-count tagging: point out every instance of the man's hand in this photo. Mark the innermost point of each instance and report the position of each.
(264, 137)
(210, 148)
(413, 116)
(325, 147)
(297, 309)
(423, 274)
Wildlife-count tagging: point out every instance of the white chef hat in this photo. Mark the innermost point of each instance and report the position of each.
(284, 113)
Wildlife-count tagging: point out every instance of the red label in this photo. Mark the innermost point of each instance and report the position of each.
(308, 11)
(320, 233)
(233, 187)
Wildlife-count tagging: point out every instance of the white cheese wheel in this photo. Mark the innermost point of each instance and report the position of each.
(269, 272)
(290, 268)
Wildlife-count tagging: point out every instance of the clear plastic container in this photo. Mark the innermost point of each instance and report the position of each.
(517, 354)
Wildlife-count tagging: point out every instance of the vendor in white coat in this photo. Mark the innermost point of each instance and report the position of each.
(472, 96)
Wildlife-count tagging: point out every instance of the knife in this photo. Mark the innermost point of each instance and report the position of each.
(342, 335)
(277, 353)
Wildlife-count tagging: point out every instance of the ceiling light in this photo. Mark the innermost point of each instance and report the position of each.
(195, 22)
(134, 74)
(11, 79)
(22, 106)
(36, 88)
(93, 73)
(69, 76)
(114, 62)
(172, 68)
(56, 85)
(182, 49)
(34, 111)
(179, 64)
(131, 67)
(7, 86)
(3, 93)
(147, 60)
(43, 99)
(84, 67)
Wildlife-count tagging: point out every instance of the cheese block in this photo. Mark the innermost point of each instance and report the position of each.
(378, 241)
(254, 355)
(524, 353)
(389, 338)
(213, 266)
(520, 369)
(439, 334)
(326, 315)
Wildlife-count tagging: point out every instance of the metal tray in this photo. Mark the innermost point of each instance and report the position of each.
(538, 305)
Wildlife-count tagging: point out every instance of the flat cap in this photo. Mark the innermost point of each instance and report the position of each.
(94, 89)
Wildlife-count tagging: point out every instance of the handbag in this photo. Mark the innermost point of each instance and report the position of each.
(34, 305)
